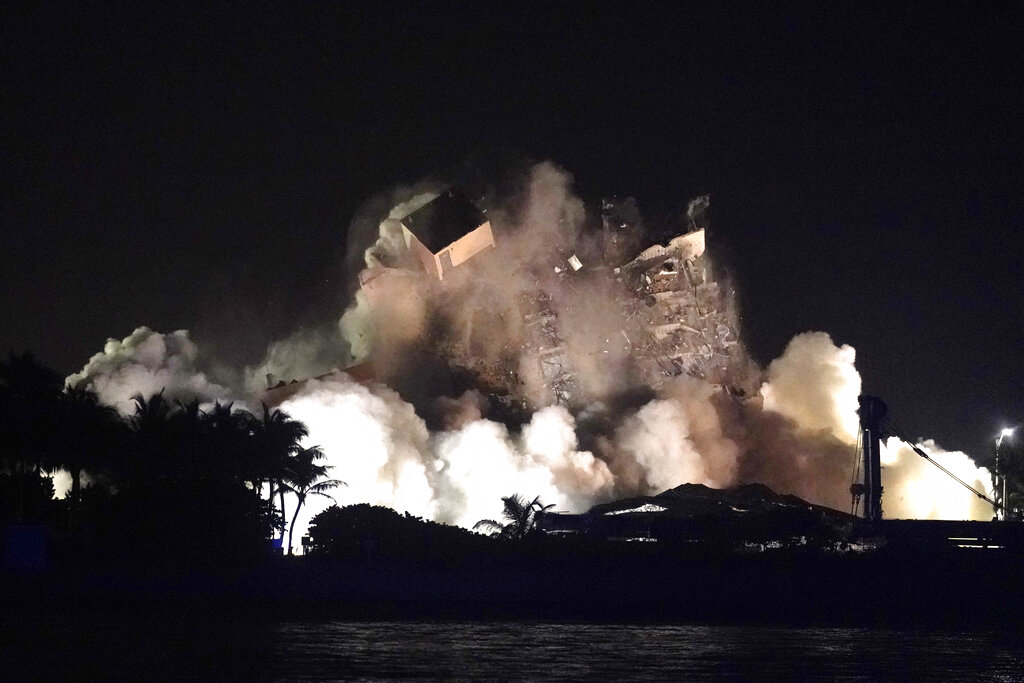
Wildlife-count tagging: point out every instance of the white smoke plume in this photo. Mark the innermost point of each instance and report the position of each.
(147, 362)
(915, 489)
(377, 444)
(677, 439)
(815, 384)
(307, 352)
(356, 328)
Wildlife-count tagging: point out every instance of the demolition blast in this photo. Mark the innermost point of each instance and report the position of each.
(525, 342)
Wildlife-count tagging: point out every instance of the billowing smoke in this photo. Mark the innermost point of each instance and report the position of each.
(146, 363)
(915, 489)
(675, 439)
(815, 384)
(383, 450)
(464, 406)
(804, 441)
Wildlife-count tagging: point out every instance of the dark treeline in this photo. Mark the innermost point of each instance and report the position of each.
(203, 491)
(175, 484)
(170, 483)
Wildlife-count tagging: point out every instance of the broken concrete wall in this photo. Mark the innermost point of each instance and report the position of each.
(464, 248)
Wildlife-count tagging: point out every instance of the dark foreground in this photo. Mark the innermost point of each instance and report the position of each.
(605, 610)
(631, 582)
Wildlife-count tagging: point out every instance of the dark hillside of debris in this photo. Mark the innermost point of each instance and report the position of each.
(734, 517)
(689, 500)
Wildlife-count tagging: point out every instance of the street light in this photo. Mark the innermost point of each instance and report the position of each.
(999, 472)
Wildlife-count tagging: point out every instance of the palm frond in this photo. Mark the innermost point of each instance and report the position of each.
(325, 485)
(489, 525)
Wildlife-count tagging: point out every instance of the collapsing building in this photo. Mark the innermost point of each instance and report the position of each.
(456, 303)
(675, 318)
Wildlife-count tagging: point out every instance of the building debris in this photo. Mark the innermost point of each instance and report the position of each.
(276, 394)
(676, 319)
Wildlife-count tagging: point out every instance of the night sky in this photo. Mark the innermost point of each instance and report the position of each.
(198, 167)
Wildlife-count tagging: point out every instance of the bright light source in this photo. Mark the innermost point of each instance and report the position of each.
(1006, 432)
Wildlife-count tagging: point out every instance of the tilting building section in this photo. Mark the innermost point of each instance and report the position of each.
(446, 232)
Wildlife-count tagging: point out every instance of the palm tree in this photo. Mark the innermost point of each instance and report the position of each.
(520, 518)
(187, 444)
(88, 433)
(28, 395)
(277, 438)
(150, 413)
(227, 436)
(306, 478)
(150, 437)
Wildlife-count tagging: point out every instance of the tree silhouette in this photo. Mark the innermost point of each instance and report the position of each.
(150, 413)
(186, 490)
(87, 436)
(228, 441)
(149, 458)
(306, 478)
(28, 396)
(520, 518)
(192, 459)
(277, 438)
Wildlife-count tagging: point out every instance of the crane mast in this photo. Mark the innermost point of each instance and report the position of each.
(872, 411)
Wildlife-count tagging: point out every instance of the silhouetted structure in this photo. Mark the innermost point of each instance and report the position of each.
(872, 412)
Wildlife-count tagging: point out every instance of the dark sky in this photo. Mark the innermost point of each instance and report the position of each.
(197, 167)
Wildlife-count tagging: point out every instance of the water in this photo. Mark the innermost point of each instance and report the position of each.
(562, 652)
(202, 647)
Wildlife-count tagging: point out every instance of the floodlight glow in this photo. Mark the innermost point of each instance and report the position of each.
(1006, 432)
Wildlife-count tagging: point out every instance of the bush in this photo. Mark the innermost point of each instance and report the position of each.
(366, 533)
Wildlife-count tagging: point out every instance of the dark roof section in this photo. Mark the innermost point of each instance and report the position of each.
(444, 219)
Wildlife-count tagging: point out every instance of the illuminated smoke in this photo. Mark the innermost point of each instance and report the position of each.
(802, 438)
(373, 439)
(400, 442)
(915, 489)
(147, 362)
(357, 329)
(61, 484)
(676, 439)
(377, 444)
(815, 384)
(812, 452)
(305, 353)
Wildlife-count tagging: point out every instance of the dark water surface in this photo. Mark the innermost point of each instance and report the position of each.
(198, 648)
(547, 651)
